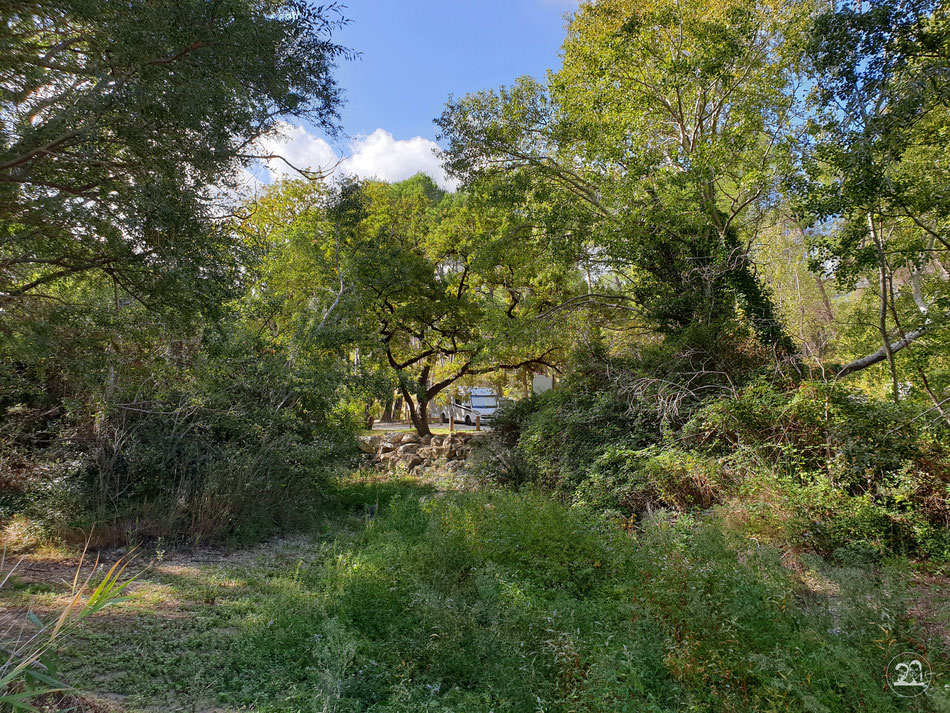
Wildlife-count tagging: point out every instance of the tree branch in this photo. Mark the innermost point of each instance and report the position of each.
(881, 354)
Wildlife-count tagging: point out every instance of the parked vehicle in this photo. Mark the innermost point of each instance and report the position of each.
(474, 402)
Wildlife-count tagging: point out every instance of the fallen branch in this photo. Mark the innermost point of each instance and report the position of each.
(881, 354)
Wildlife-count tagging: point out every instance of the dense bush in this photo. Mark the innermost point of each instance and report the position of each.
(210, 437)
(653, 478)
(818, 465)
(556, 436)
(863, 476)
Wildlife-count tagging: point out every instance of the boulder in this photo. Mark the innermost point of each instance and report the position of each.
(411, 461)
(455, 466)
(411, 438)
(437, 441)
(409, 448)
(386, 447)
(369, 444)
(395, 438)
(428, 452)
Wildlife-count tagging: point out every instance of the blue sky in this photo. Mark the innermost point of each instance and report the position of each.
(415, 53)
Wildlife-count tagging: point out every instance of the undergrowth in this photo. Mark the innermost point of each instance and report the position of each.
(807, 465)
(511, 602)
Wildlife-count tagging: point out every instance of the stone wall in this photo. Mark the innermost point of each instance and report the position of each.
(409, 451)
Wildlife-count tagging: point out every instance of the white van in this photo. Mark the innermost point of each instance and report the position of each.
(473, 402)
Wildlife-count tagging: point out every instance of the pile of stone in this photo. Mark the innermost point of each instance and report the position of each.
(409, 451)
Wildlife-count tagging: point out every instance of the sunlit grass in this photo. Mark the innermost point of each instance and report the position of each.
(414, 600)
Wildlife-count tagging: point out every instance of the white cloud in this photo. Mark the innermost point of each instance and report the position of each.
(378, 155)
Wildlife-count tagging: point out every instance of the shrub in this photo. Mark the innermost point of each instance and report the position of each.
(638, 481)
(863, 476)
(557, 435)
(219, 439)
(818, 465)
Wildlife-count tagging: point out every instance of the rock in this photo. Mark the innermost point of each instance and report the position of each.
(426, 440)
(409, 448)
(395, 438)
(386, 447)
(388, 461)
(428, 452)
(411, 438)
(411, 461)
(437, 441)
(369, 444)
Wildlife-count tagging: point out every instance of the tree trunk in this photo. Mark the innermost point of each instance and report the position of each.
(368, 418)
(938, 405)
(881, 354)
(882, 324)
(388, 411)
(418, 412)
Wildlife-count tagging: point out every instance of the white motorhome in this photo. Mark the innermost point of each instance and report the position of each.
(471, 403)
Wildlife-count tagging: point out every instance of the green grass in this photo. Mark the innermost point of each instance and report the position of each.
(503, 602)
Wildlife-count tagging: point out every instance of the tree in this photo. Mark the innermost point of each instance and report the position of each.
(655, 145)
(129, 375)
(435, 287)
(124, 124)
(876, 169)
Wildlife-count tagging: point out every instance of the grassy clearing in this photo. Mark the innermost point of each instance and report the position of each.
(415, 600)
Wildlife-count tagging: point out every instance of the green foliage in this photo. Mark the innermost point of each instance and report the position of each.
(860, 474)
(867, 185)
(624, 480)
(647, 150)
(558, 434)
(134, 392)
(513, 602)
(812, 465)
(599, 419)
(216, 437)
(433, 288)
(122, 125)
(877, 101)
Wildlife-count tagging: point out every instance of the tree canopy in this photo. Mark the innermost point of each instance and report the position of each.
(653, 145)
(124, 125)
(437, 287)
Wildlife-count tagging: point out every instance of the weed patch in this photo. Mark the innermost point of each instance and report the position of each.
(506, 602)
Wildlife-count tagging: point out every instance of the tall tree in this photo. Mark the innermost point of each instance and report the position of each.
(876, 169)
(434, 287)
(122, 124)
(655, 143)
